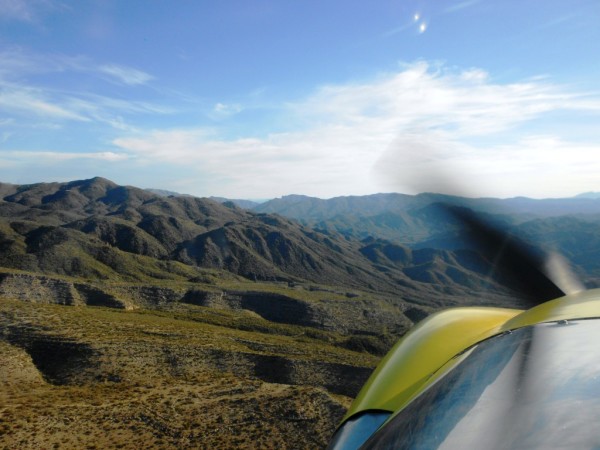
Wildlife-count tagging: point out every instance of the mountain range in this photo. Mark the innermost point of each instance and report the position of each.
(392, 244)
(96, 229)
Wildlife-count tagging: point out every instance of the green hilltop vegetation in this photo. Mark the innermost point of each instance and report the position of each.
(132, 318)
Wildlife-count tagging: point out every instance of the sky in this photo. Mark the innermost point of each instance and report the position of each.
(258, 99)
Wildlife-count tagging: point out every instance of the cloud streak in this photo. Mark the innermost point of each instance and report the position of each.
(412, 120)
(25, 99)
(14, 157)
(28, 103)
(461, 5)
(126, 75)
(16, 62)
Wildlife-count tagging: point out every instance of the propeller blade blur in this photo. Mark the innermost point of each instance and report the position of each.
(521, 267)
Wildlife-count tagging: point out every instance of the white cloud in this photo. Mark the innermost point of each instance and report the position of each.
(30, 103)
(411, 122)
(536, 166)
(430, 97)
(30, 100)
(225, 110)
(39, 156)
(16, 62)
(16, 9)
(126, 75)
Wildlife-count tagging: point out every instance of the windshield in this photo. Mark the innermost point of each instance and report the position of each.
(536, 387)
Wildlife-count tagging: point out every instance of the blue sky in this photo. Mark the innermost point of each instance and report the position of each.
(258, 99)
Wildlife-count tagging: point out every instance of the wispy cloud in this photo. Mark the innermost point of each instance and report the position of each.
(16, 10)
(63, 156)
(421, 115)
(21, 96)
(398, 29)
(126, 75)
(28, 102)
(224, 110)
(461, 5)
(21, 99)
(16, 61)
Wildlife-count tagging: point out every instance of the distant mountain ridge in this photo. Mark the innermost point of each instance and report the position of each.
(246, 204)
(590, 195)
(571, 225)
(413, 219)
(304, 207)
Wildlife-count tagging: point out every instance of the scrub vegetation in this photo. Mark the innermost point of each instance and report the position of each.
(94, 377)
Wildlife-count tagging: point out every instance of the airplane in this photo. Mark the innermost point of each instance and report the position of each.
(490, 378)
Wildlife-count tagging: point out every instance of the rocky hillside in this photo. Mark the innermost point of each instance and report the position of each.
(95, 229)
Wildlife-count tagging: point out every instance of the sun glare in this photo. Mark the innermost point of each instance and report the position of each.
(422, 27)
